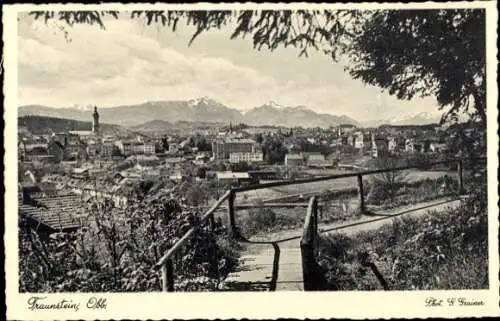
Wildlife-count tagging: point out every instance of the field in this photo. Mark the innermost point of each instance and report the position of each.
(334, 185)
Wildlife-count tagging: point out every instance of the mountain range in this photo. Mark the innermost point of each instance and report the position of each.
(38, 125)
(421, 118)
(207, 110)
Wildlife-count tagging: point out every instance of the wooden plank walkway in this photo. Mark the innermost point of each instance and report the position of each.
(265, 267)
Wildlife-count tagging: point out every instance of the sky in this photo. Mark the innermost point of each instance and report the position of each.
(131, 63)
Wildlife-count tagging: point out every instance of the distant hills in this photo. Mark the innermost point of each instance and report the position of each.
(182, 126)
(39, 125)
(421, 118)
(197, 110)
(276, 115)
(159, 114)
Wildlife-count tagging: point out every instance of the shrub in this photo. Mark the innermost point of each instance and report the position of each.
(445, 250)
(260, 219)
(117, 250)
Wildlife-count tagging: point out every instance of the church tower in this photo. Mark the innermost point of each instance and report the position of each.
(95, 122)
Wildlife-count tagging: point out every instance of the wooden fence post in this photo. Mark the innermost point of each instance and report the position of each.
(167, 274)
(164, 278)
(361, 193)
(308, 247)
(308, 260)
(230, 213)
(211, 222)
(315, 228)
(460, 177)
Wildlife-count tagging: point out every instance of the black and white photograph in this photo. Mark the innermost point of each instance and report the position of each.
(248, 149)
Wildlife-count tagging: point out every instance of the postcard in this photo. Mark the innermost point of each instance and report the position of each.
(259, 161)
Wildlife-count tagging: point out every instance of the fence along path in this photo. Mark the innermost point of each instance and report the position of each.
(263, 260)
(256, 271)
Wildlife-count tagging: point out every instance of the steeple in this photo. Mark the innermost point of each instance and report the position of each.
(95, 122)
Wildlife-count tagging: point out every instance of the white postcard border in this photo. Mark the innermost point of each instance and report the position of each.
(354, 305)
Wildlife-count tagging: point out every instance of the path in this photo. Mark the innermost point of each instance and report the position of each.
(261, 259)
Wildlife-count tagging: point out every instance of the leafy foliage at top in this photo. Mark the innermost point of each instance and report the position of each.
(271, 29)
(425, 52)
(408, 52)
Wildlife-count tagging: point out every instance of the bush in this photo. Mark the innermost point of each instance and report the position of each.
(403, 193)
(437, 251)
(117, 250)
(260, 219)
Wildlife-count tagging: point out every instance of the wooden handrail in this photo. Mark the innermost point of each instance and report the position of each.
(190, 232)
(309, 221)
(310, 224)
(308, 246)
(337, 176)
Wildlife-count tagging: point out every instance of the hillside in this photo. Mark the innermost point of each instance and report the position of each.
(45, 125)
(161, 126)
(198, 110)
(416, 119)
(273, 114)
(202, 110)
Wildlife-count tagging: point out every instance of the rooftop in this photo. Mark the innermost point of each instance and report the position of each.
(230, 175)
(81, 132)
(58, 212)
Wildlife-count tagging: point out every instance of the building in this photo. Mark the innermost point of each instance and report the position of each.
(50, 216)
(437, 147)
(83, 134)
(409, 145)
(345, 128)
(380, 146)
(317, 160)
(107, 148)
(294, 159)
(358, 141)
(144, 161)
(240, 157)
(61, 138)
(232, 177)
(260, 175)
(56, 149)
(42, 152)
(392, 144)
(132, 147)
(222, 148)
(149, 148)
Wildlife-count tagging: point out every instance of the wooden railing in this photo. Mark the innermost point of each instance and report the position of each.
(166, 262)
(309, 246)
(358, 175)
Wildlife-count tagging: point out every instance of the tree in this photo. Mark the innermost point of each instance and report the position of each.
(425, 52)
(164, 143)
(116, 151)
(384, 187)
(273, 149)
(259, 138)
(409, 52)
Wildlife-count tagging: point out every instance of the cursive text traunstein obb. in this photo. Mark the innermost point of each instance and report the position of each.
(39, 303)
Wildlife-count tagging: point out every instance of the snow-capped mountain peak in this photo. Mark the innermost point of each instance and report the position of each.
(273, 104)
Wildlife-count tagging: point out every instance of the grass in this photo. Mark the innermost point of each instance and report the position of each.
(343, 204)
(260, 221)
(340, 184)
(411, 192)
(436, 251)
